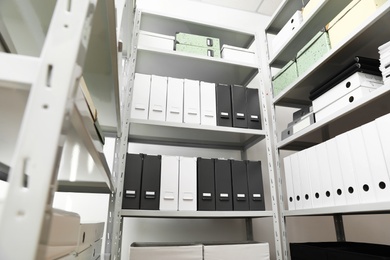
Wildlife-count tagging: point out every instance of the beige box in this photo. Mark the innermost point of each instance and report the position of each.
(351, 17)
(309, 8)
(155, 40)
(238, 54)
(234, 251)
(167, 251)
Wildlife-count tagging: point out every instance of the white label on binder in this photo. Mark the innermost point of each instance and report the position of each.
(188, 196)
(169, 196)
(224, 195)
(240, 195)
(150, 193)
(254, 117)
(256, 195)
(140, 107)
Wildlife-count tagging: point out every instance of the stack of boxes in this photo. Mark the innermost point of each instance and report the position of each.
(197, 44)
(384, 57)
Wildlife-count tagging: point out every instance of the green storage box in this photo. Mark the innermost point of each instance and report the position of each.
(211, 52)
(285, 77)
(197, 40)
(316, 48)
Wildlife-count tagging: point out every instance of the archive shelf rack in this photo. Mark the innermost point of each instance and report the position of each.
(51, 46)
(147, 60)
(364, 41)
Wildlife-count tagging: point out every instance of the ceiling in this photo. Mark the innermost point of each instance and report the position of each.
(265, 7)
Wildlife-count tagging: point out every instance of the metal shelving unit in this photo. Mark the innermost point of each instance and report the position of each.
(363, 41)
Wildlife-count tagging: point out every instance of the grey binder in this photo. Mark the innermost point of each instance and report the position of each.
(253, 108)
(132, 181)
(240, 186)
(239, 111)
(255, 185)
(224, 105)
(150, 196)
(223, 185)
(206, 187)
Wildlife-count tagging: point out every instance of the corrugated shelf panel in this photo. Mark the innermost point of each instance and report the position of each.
(159, 23)
(327, 10)
(182, 65)
(156, 132)
(339, 57)
(195, 214)
(360, 112)
(357, 209)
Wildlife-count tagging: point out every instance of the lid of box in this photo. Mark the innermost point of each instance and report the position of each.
(157, 35)
(288, 65)
(310, 43)
(225, 46)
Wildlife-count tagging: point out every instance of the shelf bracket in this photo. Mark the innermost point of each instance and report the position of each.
(339, 226)
(249, 229)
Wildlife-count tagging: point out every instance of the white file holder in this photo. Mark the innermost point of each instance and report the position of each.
(175, 95)
(208, 106)
(338, 190)
(347, 168)
(191, 101)
(315, 178)
(187, 184)
(296, 181)
(304, 175)
(158, 98)
(140, 98)
(326, 180)
(169, 190)
(377, 161)
(383, 127)
(288, 178)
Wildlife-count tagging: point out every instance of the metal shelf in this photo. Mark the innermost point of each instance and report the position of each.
(194, 214)
(327, 10)
(182, 65)
(297, 94)
(156, 132)
(358, 209)
(364, 110)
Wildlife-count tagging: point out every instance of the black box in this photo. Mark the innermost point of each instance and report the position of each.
(151, 174)
(223, 185)
(224, 105)
(239, 111)
(206, 186)
(132, 181)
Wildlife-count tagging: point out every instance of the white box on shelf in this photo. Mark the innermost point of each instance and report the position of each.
(233, 53)
(88, 234)
(288, 178)
(383, 127)
(326, 180)
(169, 189)
(191, 101)
(233, 251)
(187, 184)
(156, 40)
(306, 121)
(304, 176)
(145, 251)
(358, 79)
(347, 168)
(361, 165)
(342, 102)
(336, 173)
(208, 113)
(287, 31)
(377, 161)
(315, 178)
(296, 177)
(175, 95)
(140, 98)
(158, 98)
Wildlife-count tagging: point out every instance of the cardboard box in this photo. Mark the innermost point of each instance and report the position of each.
(314, 50)
(155, 40)
(198, 40)
(234, 251)
(238, 54)
(166, 251)
(351, 17)
(309, 8)
(287, 31)
(204, 51)
(285, 77)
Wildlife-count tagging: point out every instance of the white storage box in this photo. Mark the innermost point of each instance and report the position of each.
(343, 102)
(287, 31)
(356, 80)
(168, 251)
(155, 40)
(234, 251)
(238, 54)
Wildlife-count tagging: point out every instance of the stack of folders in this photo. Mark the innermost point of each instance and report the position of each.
(194, 102)
(177, 183)
(350, 168)
(197, 44)
(301, 119)
(200, 251)
(384, 57)
(355, 82)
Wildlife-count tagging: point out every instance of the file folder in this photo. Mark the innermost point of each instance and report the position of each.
(255, 185)
(140, 99)
(206, 184)
(304, 176)
(253, 108)
(207, 104)
(240, 186)
(383, 127)
(326, 179)
(175, 96)
(187, 184)
(169, 190)
(296, 178)
(191, 101)
(317, 191)
(288, 179)
(336, 173)
(150, 196)
(347, 168)
(377, 161)
(239, 113)
(158, 98)
(132, 181)
(224, 105)
(361, 166)
(223, 185)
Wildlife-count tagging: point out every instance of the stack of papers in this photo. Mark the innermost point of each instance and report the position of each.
(384, 58)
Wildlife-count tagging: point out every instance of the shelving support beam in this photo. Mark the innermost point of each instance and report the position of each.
(339, 226)
(249, 229)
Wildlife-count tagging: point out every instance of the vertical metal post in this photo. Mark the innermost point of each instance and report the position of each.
(249, 229)
(339, 226)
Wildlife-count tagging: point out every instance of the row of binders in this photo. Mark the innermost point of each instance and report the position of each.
(194, 102)
(351, 168)
(64, 236)
(173, 183)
